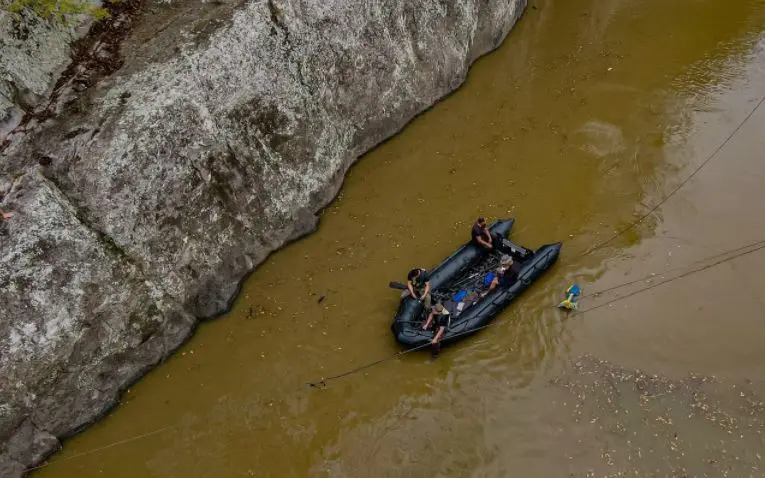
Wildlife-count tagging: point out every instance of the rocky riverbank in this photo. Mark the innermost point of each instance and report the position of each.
(152, 192)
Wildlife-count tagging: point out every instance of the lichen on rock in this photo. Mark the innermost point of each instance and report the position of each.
(33, 50)
(79, 321)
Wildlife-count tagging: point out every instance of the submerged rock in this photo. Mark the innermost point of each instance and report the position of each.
(145, 206)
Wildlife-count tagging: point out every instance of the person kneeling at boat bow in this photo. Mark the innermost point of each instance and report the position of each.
(504, 276)
(441, 316)
(418, 284)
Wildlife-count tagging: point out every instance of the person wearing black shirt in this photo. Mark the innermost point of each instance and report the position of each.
(480, 235)
(505, 275)
(440, 315)
(418, 284)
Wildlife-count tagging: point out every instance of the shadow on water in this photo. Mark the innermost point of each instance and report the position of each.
(567, 127)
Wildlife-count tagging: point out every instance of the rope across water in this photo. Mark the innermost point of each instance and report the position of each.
(322, 383)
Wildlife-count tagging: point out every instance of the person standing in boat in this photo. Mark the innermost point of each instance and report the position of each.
(441, 316)
(481, 236)
(418, 284)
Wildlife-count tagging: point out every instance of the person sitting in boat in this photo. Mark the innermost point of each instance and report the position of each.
(505, 275)
(418, 284)
(480, 235)
(440, 315)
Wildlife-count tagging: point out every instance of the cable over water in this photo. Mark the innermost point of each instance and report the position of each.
(679, 186)
(667, 281)
(322, 383)
(600, 245)
(737, 252)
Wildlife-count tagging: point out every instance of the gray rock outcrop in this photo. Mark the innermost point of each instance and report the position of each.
(33, 51)
(144, 212)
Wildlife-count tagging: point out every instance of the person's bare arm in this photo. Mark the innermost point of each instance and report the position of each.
(427, 290)
(494, 283)
(411, 289)
(488, 234)
(483, 242)
(492, 286)
(439, 334)
(427, 322)
(6, 215)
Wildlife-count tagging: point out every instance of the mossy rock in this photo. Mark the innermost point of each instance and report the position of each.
(59, 11)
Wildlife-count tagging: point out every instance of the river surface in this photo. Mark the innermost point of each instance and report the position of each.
(586, 117)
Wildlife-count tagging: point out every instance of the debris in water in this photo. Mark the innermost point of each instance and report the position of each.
(613, 405)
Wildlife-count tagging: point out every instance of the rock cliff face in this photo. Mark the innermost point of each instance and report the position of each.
(143, 208)
(32, 52)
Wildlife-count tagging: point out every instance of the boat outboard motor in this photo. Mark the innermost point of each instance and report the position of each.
(517, 252)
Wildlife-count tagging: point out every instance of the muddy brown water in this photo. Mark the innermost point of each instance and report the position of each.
(587, 116)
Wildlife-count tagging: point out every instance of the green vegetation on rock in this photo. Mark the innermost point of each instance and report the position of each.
(60, 11)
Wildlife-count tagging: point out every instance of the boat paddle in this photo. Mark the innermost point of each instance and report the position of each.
(397, 285)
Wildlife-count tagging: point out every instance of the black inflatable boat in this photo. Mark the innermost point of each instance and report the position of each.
(458, 281)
